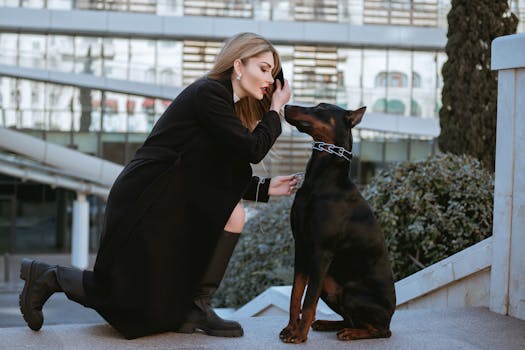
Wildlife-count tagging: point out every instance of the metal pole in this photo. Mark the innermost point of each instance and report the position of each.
(80, 232)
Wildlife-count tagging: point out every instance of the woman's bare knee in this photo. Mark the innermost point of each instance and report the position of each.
(235, 223)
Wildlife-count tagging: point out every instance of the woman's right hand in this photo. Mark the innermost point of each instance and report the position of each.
(281, 95)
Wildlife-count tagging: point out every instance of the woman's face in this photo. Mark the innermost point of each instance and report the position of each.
(256, 75)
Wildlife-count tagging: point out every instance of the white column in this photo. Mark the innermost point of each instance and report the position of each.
(80, 232)
(507, 289)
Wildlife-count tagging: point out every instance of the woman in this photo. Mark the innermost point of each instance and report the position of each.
(174, 215)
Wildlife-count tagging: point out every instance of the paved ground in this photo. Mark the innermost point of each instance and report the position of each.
(58, 310)
(467, 329)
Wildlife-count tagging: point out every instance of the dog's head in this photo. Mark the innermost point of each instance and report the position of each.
(325, 122)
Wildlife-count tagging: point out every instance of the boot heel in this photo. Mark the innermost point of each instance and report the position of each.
(186, 328)
(25, 269)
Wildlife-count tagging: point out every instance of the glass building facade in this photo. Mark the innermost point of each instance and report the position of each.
(110, 125)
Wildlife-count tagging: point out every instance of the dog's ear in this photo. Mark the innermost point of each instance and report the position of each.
(354, 117)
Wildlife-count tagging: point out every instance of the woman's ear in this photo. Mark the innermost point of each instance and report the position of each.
(237, 67)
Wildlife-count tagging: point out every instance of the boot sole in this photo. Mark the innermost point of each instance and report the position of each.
(191, 328)
(26, 274)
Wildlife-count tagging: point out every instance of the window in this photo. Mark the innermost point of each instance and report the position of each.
(167, 76)
(391, 107)
(415, 109)
(149, 75)
(416, 80)
(393, 79)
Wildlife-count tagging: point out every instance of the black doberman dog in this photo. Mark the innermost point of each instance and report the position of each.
(340, 250)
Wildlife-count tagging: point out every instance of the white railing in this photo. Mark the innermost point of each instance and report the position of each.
(507, 291)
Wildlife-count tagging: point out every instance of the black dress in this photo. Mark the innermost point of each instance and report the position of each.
(167, 208)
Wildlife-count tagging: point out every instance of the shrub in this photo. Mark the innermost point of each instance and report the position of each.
(428, 210)
(432, 209)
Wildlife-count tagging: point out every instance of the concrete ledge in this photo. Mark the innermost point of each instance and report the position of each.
(466, 329)
(275, 301)
(452, 269)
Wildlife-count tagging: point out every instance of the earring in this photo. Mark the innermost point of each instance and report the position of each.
(238, 77)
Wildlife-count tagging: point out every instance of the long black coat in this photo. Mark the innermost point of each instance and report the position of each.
(167, 208)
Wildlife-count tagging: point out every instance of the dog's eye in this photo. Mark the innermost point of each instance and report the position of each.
(304, 123)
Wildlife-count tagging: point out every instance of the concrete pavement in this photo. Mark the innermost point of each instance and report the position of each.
(468, 329)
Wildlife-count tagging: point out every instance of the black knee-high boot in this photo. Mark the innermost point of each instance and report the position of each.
(41, 281)
(202, 315)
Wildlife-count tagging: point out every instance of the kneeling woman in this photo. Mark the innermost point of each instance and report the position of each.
(173, 215)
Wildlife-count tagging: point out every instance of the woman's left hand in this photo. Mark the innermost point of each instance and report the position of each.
(281, 95)
(284, 185)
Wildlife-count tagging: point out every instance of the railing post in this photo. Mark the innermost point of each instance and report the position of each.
(507, 287)
(80, 232)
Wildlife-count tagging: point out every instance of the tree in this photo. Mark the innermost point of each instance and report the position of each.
(468, 115)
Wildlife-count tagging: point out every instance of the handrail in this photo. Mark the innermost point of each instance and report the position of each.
(84, 166)
(18, 169)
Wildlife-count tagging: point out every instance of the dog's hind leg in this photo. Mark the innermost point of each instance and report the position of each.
(332, 295)
(328, 325)
(370, 332)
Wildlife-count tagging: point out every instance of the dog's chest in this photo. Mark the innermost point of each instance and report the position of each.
(315, 212)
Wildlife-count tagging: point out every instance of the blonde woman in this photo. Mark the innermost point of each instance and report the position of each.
(174, 215)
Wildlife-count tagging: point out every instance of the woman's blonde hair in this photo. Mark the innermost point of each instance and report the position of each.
(244, 46)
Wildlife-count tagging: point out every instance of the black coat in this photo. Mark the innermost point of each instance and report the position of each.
(167, 208)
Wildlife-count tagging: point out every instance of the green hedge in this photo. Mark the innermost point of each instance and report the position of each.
(428, 210)
(432, 209)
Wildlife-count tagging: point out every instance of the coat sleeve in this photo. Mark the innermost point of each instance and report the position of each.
(217, 115)
(263, 185)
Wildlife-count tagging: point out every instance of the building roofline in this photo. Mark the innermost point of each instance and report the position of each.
(119, 24)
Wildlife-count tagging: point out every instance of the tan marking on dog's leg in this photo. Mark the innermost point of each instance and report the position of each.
(298, 288)
(315, 285)
(297, 295)
(370, 332)
(330, 286)
(298, 333)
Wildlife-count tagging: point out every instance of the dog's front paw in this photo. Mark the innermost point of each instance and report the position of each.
(289, 329)
(285, 332)
(292, 336)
